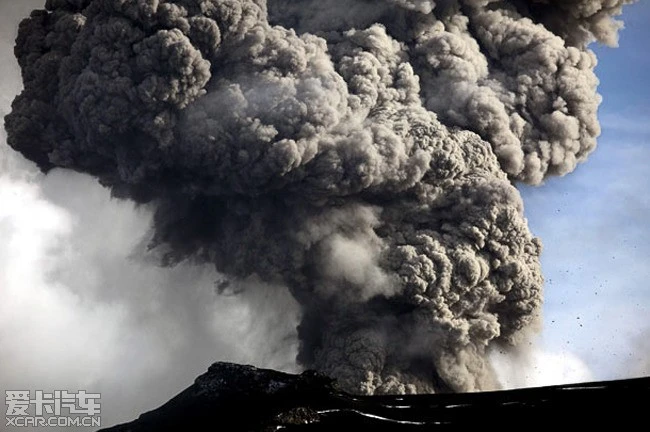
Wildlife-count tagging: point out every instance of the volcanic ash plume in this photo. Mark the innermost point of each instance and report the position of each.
(361, 153)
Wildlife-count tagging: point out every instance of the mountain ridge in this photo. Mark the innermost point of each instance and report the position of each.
(237, 397)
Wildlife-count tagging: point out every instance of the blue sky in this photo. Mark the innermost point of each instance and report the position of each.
(594, 223)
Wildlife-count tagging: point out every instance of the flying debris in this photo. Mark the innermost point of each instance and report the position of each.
(361, 153)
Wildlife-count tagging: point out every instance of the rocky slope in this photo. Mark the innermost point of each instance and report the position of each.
(233, 397)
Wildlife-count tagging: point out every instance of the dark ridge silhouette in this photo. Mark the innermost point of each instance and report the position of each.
(243, 398)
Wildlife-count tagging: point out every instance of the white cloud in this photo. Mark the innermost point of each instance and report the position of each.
(538, 367)
(83, 307)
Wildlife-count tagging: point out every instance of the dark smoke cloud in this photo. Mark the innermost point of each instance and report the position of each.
(360, 153)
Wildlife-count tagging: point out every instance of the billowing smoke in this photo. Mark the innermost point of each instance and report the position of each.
(361, 153)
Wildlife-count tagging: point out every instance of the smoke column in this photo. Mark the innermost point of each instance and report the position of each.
(361, 153)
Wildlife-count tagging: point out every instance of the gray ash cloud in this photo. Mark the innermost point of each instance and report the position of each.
(361, 153)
